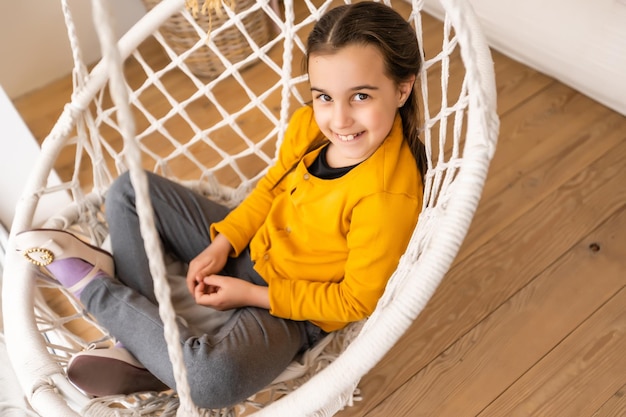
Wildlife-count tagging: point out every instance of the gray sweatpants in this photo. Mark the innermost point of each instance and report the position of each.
(247, 353)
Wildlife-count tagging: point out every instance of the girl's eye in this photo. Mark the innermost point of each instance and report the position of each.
(361, 96)
(324, 97)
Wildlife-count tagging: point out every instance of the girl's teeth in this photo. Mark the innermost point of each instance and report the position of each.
(346, 138)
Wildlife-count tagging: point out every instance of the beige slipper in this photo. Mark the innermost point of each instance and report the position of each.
(42, 246)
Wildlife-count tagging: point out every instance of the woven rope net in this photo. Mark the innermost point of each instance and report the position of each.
(146, 106)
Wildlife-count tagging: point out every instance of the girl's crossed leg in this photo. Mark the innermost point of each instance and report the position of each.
(249, 351)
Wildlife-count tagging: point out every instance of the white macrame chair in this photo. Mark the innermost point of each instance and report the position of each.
(222, 154)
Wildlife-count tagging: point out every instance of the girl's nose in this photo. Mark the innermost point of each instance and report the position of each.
(342, 117)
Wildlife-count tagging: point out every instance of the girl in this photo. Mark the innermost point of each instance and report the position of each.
(309, 251)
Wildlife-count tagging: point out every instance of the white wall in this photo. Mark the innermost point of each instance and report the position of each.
(581, 43)
(35, 50)
(34, 46)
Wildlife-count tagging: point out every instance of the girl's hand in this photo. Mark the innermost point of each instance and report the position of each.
(210, 261)
(225, 293)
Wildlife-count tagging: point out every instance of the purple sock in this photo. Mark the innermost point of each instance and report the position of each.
(70, 271)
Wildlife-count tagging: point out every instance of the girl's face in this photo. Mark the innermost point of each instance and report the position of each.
(354, 101)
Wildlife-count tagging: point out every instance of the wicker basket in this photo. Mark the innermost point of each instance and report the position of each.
(181, 36)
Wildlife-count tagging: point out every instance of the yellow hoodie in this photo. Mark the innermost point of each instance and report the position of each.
(326, 248)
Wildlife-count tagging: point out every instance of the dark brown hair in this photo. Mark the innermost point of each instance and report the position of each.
(371, 23)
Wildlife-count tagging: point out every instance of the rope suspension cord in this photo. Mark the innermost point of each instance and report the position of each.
(119, 93)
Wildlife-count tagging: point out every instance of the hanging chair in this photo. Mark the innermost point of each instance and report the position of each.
(155, 102)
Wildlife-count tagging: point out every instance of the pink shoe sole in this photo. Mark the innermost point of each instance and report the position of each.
(103, 372)
(42, 246)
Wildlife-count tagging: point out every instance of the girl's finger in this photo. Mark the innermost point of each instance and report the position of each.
(213, 280)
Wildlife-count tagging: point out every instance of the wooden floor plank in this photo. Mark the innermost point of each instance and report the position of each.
(477, 285)
(542, 121)
(516, 83)
(615, 406)
(580, 374)
(471, 374)
(41, 108)
(537, 162)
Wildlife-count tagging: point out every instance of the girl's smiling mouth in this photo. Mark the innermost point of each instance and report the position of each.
(348, 138)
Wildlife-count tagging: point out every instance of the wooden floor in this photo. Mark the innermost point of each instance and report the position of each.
(531, 319)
